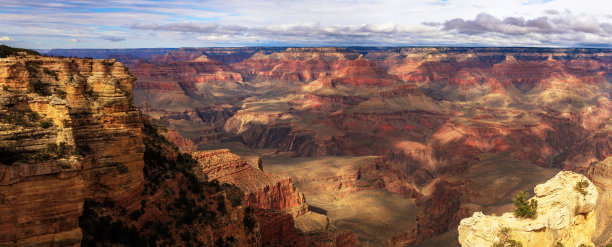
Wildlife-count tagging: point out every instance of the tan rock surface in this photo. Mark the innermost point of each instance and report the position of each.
(87, 107)
(601, 175)
(564, 215)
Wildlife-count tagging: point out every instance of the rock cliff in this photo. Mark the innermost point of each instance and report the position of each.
(262, 190)
(601, 175)
(565, 215)
(79, 165)
(72, 133)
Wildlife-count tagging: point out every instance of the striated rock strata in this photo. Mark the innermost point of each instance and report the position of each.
(601, 175)
(262, 190)
(73, 133)
(564, 215)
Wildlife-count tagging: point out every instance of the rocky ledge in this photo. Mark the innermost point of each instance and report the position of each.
(262, 190)
(565, 214)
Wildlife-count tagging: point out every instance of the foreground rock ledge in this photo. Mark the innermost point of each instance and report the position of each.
(564, 215)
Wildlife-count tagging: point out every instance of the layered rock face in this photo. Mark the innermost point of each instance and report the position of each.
(262, 190)
(73, 133)
(294, 64)
(193, 92)
(601, 175)
(174, 208)
(76, 167)
(564, 215)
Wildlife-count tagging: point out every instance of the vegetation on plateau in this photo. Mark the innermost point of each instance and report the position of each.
(525, 208)
(580, 186)
(6, 51)
(504, 239)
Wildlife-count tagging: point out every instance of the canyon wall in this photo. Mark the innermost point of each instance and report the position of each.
(79, 165)
(73, 133)
(601, 175)
(262, 190)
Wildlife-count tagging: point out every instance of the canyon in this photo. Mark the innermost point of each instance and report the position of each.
(323, 146)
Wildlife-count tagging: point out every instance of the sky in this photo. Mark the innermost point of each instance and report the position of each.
(40, 24)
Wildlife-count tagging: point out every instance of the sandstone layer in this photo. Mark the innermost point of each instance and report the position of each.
(72, 129)
(601, 175)
(564, 215)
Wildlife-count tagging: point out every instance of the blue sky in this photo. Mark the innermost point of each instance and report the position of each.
(166, 23)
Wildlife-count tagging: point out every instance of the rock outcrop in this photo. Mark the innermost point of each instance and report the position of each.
(564, 214)
(73, 132)
(262, 190)
(79, 166)
(601, 175)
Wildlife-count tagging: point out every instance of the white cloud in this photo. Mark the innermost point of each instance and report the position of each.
(6, 38)
(73, 40)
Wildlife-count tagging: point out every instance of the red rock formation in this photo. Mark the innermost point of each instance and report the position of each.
(262, 190)
(278, 230)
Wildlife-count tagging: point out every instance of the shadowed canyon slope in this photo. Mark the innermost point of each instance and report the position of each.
(430, 126)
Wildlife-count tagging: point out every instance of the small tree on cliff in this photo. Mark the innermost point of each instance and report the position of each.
(504, 239)
(523, 207)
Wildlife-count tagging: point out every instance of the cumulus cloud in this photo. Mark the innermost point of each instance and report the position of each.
(568, 23)
(6, 38)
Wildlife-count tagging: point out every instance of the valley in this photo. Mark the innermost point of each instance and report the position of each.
(344, 146)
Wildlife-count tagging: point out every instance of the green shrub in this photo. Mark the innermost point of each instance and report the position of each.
(40, 88)
(51, 73)
(524, 208)
(249, 220)
(221, 204)
(504, 239)
(580, 186)
(5, 88)
(236, 200)
(45, 124)
(10, 155)
(6, 51)
(32, 116)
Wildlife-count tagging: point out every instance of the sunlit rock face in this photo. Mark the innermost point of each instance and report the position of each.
(262, 190)
(73, 132)
(601, 175)
(564, 215)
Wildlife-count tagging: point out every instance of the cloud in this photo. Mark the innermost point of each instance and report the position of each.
(73, 40)
(175, 23)
(551, 12)
(567, 23)
(191, 27)
(6, 38)
(113, 38)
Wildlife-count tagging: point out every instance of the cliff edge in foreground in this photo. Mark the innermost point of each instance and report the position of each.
(565, 214)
